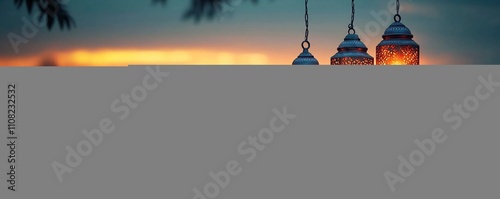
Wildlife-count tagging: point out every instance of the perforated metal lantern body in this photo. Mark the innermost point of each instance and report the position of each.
(352, 52)
(398, 47)
(305, 58)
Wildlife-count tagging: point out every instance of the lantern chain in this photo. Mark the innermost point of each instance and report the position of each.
(397, 7)
(306, 18)
(305, 43)
(397, 17)
(351, 25)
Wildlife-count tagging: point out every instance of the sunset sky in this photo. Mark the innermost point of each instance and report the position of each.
(122, 32)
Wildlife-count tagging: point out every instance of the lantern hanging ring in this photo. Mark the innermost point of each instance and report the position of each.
(306, 45)
(397, 18)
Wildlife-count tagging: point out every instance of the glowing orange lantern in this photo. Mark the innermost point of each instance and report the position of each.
(398, 47)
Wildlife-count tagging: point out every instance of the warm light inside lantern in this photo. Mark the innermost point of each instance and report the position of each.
(398, 47)
(351, 61)
(396, 62)
(351, 52)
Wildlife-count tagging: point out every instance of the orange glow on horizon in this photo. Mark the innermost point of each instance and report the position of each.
(119, 57)
(194, 56)
(124, 57)
(26, 61)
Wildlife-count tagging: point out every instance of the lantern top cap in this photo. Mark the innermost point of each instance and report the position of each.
(305, 58)
(397, 29)
(352, 47)
(352, 41)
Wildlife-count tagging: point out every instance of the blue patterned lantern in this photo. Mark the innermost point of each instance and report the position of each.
(352, 51)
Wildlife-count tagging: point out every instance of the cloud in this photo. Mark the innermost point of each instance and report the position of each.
(420, 9)
(479, 13)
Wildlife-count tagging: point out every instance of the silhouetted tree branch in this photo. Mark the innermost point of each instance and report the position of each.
(49, 10)
(207, 8)
(52, 10)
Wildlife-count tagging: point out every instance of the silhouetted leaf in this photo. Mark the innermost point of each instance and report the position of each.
(50, 22)
(64, 19)
(163, 2)
(29, 4)
(51, 10)
(208, 9)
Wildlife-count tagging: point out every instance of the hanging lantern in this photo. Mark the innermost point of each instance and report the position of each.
(352, 51)
(398, 47)
(306, 58)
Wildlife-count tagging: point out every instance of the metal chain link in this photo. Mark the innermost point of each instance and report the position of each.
(306, 17)
(305, 44)
(351, 25)
(397, 7)
(397, 17)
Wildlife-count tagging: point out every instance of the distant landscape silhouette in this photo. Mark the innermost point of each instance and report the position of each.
(53, 11)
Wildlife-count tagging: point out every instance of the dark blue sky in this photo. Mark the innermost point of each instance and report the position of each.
(448, 31)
